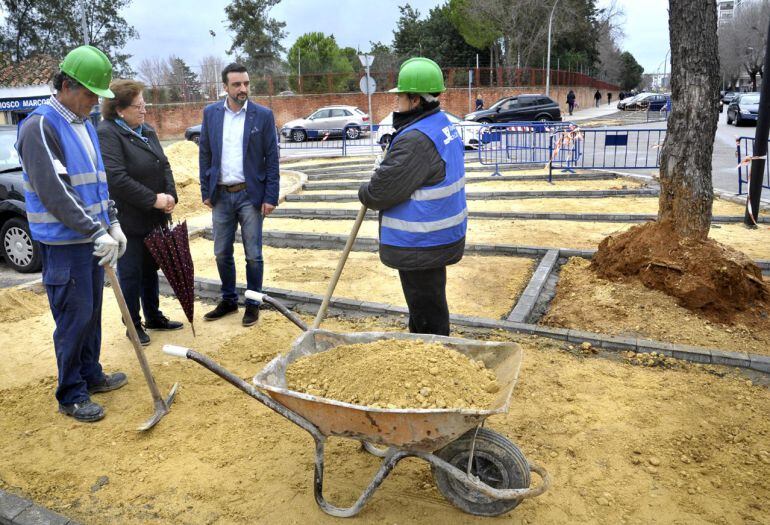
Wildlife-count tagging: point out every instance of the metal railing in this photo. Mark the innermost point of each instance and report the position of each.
(626, 149)
(745, 149)
(519, 143)
(329, 140)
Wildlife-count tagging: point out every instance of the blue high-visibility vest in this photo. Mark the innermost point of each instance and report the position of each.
(89, 180)
(434, 215)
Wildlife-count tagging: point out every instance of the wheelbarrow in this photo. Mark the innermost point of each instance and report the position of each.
(476, 469)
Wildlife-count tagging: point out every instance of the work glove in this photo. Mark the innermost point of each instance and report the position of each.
(107, 248)
(377, 162)
(117, 233)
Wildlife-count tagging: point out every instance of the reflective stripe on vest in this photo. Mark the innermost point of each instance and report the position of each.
(434, 215)
(89, 182)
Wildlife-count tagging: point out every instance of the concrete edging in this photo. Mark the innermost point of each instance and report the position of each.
(15, 510)
(531, 293)
(210, 288)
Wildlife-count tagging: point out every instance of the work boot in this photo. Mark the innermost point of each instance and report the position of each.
(144, 339)
(223, 308)
(251, 316)
(162, 323)
(86, 411)
(109, 382)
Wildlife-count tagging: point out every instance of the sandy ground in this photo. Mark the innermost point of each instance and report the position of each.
(480, 187)
(365, 278)
(560, 234)
(624, 444)
(637, 205)
(587, 302)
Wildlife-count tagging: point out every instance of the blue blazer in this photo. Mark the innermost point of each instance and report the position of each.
(260, 153)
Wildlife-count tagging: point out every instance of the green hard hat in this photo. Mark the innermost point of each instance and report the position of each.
(90, 67)
(419, 75)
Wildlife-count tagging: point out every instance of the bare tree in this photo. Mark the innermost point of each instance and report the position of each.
(210, 75)
(742, 41)
(686, 191)
(610, 28)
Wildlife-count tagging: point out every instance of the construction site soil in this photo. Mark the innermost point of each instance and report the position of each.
(624, 443)
(472, 287)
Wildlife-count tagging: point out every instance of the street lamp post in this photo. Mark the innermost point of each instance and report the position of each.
(548, 66)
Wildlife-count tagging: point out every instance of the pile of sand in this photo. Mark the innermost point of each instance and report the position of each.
(16, 304)
(393, 373)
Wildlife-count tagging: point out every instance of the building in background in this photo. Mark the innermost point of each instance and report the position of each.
(25, 86)
(726, 10)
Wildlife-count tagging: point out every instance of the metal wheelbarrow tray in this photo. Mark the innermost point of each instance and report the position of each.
(476, 469)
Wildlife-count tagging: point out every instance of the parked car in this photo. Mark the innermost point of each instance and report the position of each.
(520, 108)
(744, 107)
(728, 97)
(648, 102)
(626, 103)
(193, 133)
(328, 121)
(468, 130)
(16, 245)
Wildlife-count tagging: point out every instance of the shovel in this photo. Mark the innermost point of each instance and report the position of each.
(161, 405)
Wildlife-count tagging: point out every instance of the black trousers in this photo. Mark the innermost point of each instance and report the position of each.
(138, 275)
(425, 293)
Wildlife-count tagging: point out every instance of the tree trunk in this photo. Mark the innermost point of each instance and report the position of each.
(686, 192)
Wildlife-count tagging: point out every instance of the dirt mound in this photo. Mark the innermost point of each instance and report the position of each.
(18, 304)
(395, 373)
(704, 276)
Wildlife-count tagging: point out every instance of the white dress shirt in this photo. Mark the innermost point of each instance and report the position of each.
(232, 146)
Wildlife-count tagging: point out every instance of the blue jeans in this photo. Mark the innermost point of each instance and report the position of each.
(230, 210)
(138, 274)
(74, 282)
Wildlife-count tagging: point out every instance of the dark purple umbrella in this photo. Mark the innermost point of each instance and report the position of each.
(170, 247)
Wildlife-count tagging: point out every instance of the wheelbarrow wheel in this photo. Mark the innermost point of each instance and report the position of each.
(496, 461)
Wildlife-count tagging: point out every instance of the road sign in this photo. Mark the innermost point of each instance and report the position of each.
(366, 60)
(367, 85)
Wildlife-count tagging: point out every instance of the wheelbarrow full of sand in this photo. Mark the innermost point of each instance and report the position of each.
(476, 469)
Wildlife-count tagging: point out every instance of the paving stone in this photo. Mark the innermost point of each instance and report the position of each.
(723, 357)
(695, 354)
(369, 306)
(648, 345)
(35, 515)
(617, 342)
(11, 506)
(552, 333)
(760, 362)
(580, 336)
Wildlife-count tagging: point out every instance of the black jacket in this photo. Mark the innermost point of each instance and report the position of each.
(411, 162)
(136, 173)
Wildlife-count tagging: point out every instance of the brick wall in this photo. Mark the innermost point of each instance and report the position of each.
(170, 120)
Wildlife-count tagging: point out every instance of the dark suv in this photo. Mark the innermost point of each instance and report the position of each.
(16, 244)
(518, 109)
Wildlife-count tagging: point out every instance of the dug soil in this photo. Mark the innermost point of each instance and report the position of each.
(407, 374)
(624, 444)
(703, 275)
(20, 303)
(477, 285)
(585, 301)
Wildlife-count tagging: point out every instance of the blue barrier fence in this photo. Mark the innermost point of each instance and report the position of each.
(516, 143)
(333, 140)
(745, 148)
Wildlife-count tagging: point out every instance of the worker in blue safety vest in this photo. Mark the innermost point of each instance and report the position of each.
(419, 189)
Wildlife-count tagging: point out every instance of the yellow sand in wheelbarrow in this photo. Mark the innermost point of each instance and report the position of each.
(476, 469)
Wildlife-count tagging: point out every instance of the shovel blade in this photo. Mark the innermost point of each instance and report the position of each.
(162, 408)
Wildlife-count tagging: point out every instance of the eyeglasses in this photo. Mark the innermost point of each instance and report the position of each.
(140, 107)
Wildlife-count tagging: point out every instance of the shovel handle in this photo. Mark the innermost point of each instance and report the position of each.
(115, 284)
(340, 265)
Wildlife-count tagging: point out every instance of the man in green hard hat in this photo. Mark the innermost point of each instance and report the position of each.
(419, 189)
(72, 217)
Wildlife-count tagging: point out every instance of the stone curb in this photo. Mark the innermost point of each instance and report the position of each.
(15, 510)
(210, 288)
(315, 185)
(313, 213)
(528, 298)
(497, 195)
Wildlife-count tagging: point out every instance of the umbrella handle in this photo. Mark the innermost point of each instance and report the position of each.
(115, 284)
(340, 265)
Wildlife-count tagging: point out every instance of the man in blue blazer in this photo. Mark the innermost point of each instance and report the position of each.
(239, 176)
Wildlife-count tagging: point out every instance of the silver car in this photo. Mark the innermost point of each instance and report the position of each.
(327, 122)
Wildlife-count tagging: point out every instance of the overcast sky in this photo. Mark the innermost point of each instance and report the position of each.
(181, 27)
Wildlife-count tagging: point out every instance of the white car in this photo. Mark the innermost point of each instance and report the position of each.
(329, 121)
(468, 130)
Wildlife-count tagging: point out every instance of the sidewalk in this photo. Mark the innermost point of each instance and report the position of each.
(589, 113)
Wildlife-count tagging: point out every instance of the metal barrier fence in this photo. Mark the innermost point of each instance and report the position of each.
(333, 140)
(745, 148)
(513, 143)
(564, 146)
